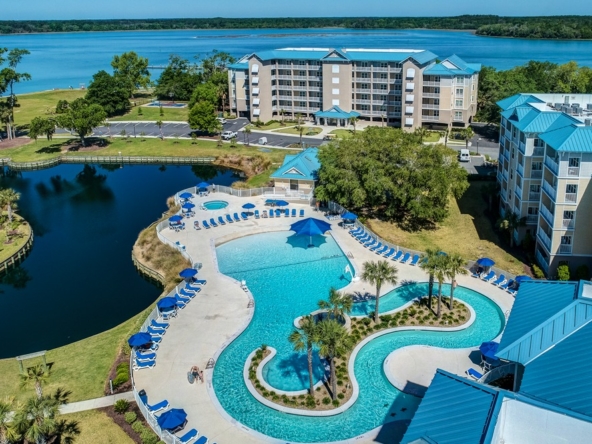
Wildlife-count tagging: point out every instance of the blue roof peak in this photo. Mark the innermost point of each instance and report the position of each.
(302, 166)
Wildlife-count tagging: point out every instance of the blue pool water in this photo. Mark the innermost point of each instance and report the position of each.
(287, 280)
(167, 104)
(215, 204)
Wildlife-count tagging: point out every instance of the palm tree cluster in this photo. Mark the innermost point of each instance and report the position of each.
(328, 335)
(439, 267)
(379, 273)
(8, 199)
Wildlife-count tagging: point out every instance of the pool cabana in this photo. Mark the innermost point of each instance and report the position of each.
(334, 116)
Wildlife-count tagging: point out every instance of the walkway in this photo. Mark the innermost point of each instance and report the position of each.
(220, 311)
(97, 403)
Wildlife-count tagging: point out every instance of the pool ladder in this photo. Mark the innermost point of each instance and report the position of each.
(251, 303)
(210, 363)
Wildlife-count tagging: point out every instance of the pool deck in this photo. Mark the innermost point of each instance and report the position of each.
(201, 329)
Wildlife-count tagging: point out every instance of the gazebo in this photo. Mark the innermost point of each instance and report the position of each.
(334, 116)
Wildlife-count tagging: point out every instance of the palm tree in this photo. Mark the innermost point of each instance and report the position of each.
(247, 133)
(428, 264)
(36, 420)
(304, 339)
(440, 273)
(300, 129)
(338, 304)
(511, 222)
(7, 431)
(108, 126)
(159, 125)
(353, 121)
(9, 197)
(420, 132)
(333, 341)
(446, 134)
(282, 112)
(456, 266)
(468, 134)
(37, 376)
(378, 273)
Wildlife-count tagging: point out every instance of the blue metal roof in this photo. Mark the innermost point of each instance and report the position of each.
(337, 113)
(421, 57)
(462, 68)
(302, 166)
(454, 410)
(536, 302)
(517, 100)
(239, 66)
(572, 138)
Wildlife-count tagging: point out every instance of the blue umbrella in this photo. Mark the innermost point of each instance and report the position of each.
(349, 216)
(203, 185)
(188, 206)
(185, 195)
(486, 262)
(489, 349)
(523, 278)
(188, 273)
(248, 206)
(167, 302)
(175, 218)
(172, 419)
(139, 339)
(270, 202)
(310, 227)
(281, 203)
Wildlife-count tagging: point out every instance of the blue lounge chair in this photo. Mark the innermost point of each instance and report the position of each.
(370, 242)
(507, 285)
(154, 331)
(365, 238)
(187, 294)
(361, 235)
(302, 213)
(161, 325)
(489, 277)
(244, 216)
(138, 365)
(415, 260)
(187, 437)
(181, 303)
(389, 253)
(157, 407)
(287, 213)
(235, 217)
(478, 273)
(293, 212)
(202, 440)
(398, 256)
(355, 231)
(192, 288)
(199, 281)
(271, 214)
(166, 315)
(376, 247)
(500, 280)
(474, 374)
(229, 219)
(221, 221)
(213, 222)
(206, 224)
(512, 291)
(406, 257)
(382, 250)
(257, 214)
(278, 213)
(142, 357)
(156, 339)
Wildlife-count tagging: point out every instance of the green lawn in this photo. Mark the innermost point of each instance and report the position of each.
(308, 131)
(271, 126)
(150, 113)
(96, 427)
(7, 250)
(342, 133)
(433, 136)
(42, 104)
(467, 231)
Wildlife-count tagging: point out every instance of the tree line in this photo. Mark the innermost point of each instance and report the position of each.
(550, 27)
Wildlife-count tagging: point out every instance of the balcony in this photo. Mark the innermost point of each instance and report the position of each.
(299, 88)
(550, 190)
(542, 261)
(379, 80)
(518, 191)
(532, 219)
(363, 101)
(536, 174)
(534, 196)
(522, 147)
(362, 68)
(431, 83)
(458, 119)
(520, 170)
(430, 106)
(538, 151)
(363, 90)
(568, 224)
(573, 171)
(430, 118)
(380, 69)
(571, 198)
(431, 95)
(564, 249)
(547, 214)
(552, 165)
(545, 240)
(499, 176)
(505, 174)
(314, 88)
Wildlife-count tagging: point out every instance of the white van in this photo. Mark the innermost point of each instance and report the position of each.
(464, 155)
(262, 141)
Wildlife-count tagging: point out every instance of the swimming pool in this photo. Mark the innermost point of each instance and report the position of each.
(167, 104)
(215, 204)
(287, 280)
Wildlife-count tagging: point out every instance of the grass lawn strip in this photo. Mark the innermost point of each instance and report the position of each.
(97, 427)
(42, 104)
(308, 131)
(17, 240)
(152, 113)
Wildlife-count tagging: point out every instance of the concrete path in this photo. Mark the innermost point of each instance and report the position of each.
(220, 312)
(97, 403)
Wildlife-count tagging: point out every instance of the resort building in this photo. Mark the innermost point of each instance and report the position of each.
(545, 166)
(298, 173)
(397, 87)
(545, 341)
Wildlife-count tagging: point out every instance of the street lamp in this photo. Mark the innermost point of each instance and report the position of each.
(478, 140)
(171, 95)
(134, 130)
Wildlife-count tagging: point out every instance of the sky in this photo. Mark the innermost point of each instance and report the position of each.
(117, 9)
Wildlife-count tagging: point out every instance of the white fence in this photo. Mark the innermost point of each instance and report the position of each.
(272, 192)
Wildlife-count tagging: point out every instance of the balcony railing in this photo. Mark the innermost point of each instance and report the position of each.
(518, 191)
(431, 83)
(569, 224)
(549, 189)
(505, 174)
(362, 68)
(520, 170)
(430, 118)
(532, 219)
(564, 249)
(552, 165)
(573, 171)
(363, 90)
(499, 176)
(522, 147)
(547, 214)
(364, 101)
(534, 196)
(542, 261)
(430, 106)
(431, 95)
(536, 174)
(571, 197)
(380, 69)
(545, 239)
(314, 88)
(538, 151)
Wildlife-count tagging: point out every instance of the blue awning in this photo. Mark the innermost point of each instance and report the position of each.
(336, 113)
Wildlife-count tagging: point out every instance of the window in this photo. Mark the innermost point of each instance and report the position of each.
(363, 75)
(459, 80)
(335, 80)
(384, 65)
(569, 215)
(335, 91)
(383, 87)
(335, 69)
(458, 115)
(458, 102)
(533, 211)
(383, 75)
(302, 104)
(472, 99)
(571, 188)
(293, 185)
(363, 64)
(565, 240)
(302, 94)
(335, 102)
(574, 162)
(410, 73)
(459, 91)
(535, 188)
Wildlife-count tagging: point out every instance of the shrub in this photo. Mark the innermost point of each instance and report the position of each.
(149, 437)
(121, 406)
(263, 347)
(122, 374)
(538, 273)
(582, 272)
(138, 427)
(386, 318)
(563, 273)
(130, 417)
(336, 402)
(366, 321)
(326, 400)
(310, 401)
(340, 395)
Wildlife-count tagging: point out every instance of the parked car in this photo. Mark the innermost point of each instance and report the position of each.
(222, 120)
(227, 135)
(464, 155)
(262, 141)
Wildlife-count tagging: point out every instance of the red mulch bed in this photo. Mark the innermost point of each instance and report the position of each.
(120, 420)
(126, 387)
(19, 141)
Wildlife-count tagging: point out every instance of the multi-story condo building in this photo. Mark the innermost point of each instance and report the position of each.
(545, 166)
(398, 87)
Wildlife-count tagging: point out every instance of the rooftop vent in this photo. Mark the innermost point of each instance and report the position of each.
(589, 106)
(566, 109)
(588, 122)
(558, 105)
(575, 105)
(578, 110)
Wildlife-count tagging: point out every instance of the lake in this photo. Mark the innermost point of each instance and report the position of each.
(79, 279)
(63, 60)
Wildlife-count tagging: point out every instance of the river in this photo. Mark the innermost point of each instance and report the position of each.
(70, 59)
(79, 279)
